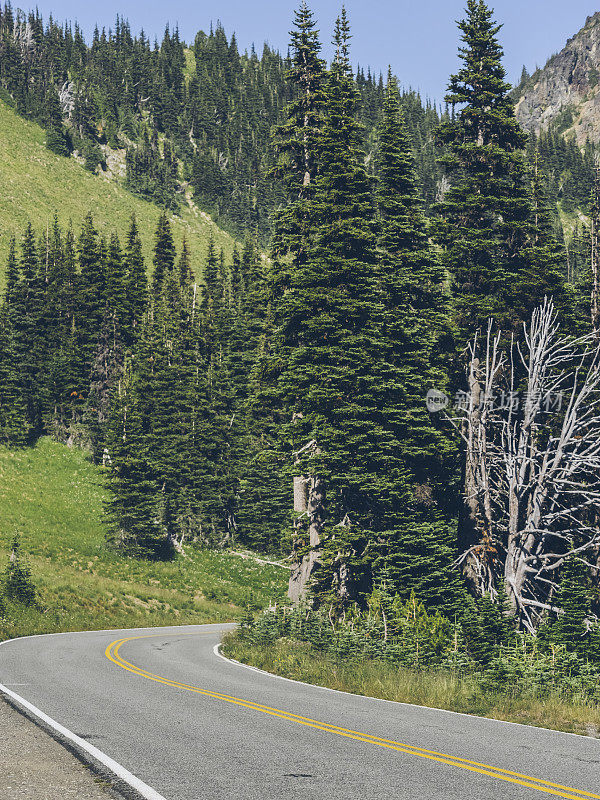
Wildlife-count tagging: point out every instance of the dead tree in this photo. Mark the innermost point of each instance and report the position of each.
(475, 523)
(535, 463)
(309, 506)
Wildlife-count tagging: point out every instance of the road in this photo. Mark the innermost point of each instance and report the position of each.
(197, 727)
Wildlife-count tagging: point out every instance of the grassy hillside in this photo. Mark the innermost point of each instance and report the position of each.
(36, 183)
(53, 495)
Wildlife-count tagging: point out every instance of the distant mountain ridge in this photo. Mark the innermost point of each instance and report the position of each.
(566, 92)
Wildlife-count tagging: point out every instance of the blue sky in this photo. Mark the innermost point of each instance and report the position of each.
(417, 37)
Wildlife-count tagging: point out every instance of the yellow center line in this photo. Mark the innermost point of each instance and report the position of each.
(554, 789)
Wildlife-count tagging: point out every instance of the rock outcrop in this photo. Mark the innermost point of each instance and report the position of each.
(567, 90)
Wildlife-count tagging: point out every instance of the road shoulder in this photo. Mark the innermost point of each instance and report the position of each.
(34, 766)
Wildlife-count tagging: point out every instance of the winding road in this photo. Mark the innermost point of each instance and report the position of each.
(194, 726)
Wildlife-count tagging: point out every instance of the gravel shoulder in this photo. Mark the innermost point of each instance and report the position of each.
(33, 766)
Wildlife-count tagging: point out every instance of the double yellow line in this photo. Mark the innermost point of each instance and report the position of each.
(547, 787)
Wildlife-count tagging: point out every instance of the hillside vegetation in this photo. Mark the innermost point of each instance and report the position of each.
(52, 496)
(36, 184)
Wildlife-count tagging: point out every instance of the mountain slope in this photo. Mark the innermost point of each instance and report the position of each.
(36, 184)
(567, 90)
(52, 495)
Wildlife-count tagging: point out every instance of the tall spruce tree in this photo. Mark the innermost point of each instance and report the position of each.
(296, 138)
(110, 351)
(486, 215)
(29, 336)
(574, 597)
(92, 293)
(136, 285)
(132, 502)
(414, 331)
(164, 254)
(496, 255)
(327, 320)
(14, 424)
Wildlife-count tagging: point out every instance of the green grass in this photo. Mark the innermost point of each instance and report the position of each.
(570, 220)
(435, 689)
(36, 184)
(52, 495)
(190, 63)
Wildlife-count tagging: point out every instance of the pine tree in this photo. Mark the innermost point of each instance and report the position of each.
(136, 285)
(110, 352)
(92, 292)
(296, 139)
(414, 329)
(543, 259)
(486, 214)
(415, 324)
(574, 598)
(164, 254)
(327, 325)
(132, 504)
(18, 584)
(25, 311)
(14, 424)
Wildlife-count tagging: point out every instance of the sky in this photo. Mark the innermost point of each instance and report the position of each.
(418, 38)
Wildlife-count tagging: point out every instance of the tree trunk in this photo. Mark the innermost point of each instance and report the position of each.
(469, 534)
(314, 505)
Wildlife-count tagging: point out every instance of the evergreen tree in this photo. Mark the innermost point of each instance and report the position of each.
(18, 584)
(25, 310)
(132, 503)
(414, 330)
(164, 254)
(136, 285)
(296, 139)
(14, 425)
(327, 325)
(543, 259)
(574, 598)
(486, 223)
(92, 293)
(108, 361)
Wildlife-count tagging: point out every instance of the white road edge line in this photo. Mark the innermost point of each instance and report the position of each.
(217, 652)
(147, 792)
(123, 774)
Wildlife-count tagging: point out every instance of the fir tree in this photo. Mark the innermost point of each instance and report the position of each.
(574, 598)
(414, 329)
(133, 491)
(296, 139)
(486, 220)
(14, 424)
(164, 254)
(327, 325)
(18, 584)
(136, 285)
(92, 292)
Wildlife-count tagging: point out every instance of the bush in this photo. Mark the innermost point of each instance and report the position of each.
(92, 155)
(57, 142)
(406, 635)
(18, 585)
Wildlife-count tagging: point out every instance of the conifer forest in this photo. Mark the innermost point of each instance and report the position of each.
(392, 385)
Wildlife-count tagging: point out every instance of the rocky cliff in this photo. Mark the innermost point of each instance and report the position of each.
(567, 90)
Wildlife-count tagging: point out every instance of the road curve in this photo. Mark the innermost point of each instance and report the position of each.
(196, 727)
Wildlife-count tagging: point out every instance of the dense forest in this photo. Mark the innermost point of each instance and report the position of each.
(289, 402)
(195, 121)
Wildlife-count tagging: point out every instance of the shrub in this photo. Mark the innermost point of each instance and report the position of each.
(18, 585)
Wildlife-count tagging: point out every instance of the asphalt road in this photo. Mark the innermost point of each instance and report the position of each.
(196, 727)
